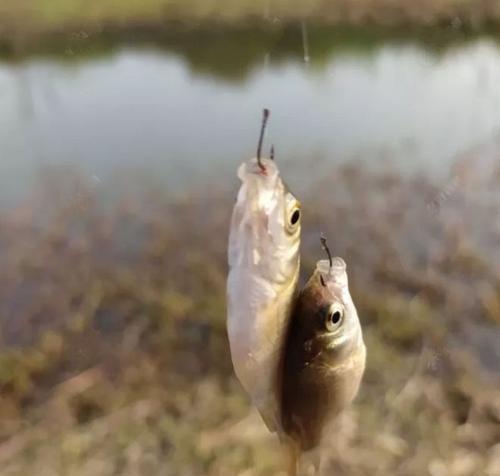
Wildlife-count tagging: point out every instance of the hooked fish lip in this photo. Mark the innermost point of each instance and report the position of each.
(252, 168)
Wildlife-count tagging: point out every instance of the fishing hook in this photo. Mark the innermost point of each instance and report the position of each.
(325, 247)
(265, 117)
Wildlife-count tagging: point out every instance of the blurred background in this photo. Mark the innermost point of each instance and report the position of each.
(122, 124)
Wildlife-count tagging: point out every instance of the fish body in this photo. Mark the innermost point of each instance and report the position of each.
(324, 359)
(264, 264)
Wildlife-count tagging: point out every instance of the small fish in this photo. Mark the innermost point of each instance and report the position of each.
(264, 264)
(324, 358)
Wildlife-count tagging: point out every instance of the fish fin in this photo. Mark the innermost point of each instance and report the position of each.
(269, 418)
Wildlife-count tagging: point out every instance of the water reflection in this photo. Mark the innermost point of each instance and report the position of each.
(185, 110)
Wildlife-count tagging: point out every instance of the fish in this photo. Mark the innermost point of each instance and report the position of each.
(264, 264)
(324, 359)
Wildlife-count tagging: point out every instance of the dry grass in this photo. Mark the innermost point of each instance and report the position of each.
(114, 357)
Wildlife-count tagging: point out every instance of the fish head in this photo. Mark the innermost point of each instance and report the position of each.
(266, 223)
(329, 321)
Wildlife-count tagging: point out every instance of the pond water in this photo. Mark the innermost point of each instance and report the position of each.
(186, 109)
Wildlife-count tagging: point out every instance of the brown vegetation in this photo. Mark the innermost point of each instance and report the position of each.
(114, 357)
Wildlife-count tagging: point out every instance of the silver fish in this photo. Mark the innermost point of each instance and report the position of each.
(324, 359)
(264, 266)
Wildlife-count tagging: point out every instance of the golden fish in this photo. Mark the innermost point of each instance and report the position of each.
(324, 359)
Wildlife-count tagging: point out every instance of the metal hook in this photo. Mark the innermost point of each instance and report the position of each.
(265, 117)
(325, 247)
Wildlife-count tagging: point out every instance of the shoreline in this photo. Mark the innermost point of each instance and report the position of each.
(25, 29)
(80, 42)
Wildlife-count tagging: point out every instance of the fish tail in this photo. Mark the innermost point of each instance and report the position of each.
(292, 456)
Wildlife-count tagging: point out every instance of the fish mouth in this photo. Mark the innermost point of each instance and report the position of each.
(252, 168)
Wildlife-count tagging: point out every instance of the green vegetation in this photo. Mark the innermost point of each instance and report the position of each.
(50, 13)
(25, 20)
(234, 53)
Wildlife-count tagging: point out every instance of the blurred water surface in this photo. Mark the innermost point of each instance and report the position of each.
(185, 109)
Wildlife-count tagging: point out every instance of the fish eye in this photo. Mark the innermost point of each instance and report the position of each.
(334, 318)
(294, 219)
(293, 214)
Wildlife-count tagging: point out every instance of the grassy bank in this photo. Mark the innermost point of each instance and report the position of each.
(114, 358)
(26, 20)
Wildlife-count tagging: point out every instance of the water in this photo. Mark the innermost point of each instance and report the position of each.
(186, 109)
